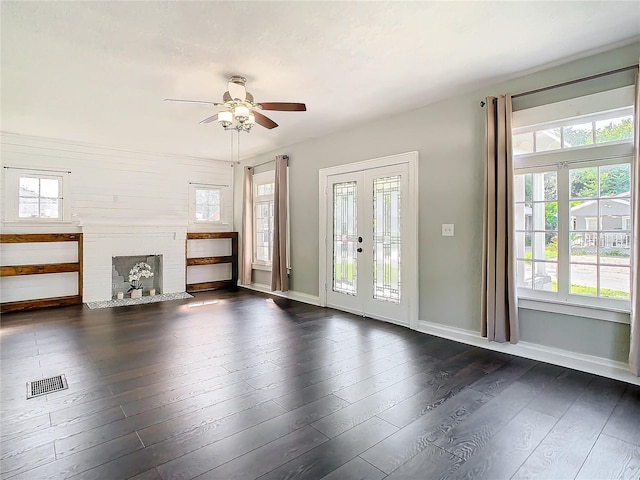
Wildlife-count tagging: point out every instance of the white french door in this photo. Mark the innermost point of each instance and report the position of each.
(371, 248)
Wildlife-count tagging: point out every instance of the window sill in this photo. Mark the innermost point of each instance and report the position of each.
(563, 308)
(261, 266)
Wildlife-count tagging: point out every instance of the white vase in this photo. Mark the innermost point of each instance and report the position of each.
(152, 292)
(137, 293)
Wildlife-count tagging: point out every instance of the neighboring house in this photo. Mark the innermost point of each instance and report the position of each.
(614, 216)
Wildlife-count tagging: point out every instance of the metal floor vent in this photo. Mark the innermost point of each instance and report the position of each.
(46, 385)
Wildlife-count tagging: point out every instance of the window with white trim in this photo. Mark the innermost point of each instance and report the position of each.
(572, 195)
(206, 204)
(33, 195)
(263, 197)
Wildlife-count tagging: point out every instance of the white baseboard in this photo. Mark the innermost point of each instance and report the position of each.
(297, 296)
(556, 356)
(564, 358)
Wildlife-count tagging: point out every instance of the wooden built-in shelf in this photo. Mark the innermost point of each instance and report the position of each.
(17, 270)
(195, 261)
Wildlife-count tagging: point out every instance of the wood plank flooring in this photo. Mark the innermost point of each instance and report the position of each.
(239, 385)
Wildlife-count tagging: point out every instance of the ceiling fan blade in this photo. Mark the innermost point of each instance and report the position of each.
(266, 122)
(284, 106)
(226, 97)
(190, 101)
(210, 119)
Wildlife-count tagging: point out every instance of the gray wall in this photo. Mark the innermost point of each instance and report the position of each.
(449, 138)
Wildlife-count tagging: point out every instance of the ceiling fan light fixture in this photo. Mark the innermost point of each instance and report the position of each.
(225, 118)
(241, 113)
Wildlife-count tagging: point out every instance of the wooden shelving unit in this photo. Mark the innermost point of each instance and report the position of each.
(15, 270)
(232, 259)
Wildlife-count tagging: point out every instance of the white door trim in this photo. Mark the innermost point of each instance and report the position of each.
(411, 281)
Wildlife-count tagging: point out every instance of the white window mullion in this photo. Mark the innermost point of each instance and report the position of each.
(564, 238)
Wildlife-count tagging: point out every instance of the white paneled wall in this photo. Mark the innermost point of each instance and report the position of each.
(120, 187)
(213, 247)
(125, 203)
(13, 289)
(29, 287)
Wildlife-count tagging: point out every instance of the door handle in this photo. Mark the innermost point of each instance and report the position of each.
(359, 250)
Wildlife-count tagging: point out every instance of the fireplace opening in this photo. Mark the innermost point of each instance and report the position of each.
(121, 266)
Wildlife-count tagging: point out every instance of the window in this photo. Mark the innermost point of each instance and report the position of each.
(572, 195)
(207, 204)
(596, 129)
(35, 196)
(263, 195)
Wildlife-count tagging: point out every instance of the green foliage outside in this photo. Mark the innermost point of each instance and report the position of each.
(337, 273)
(593, 291)
(614, 180)
(621, 130)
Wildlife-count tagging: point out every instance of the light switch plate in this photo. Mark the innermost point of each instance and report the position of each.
(447, 229)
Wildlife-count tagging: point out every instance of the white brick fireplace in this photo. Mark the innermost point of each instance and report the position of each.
(102, 242)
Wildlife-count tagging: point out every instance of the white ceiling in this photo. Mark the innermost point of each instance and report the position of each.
(97, 72)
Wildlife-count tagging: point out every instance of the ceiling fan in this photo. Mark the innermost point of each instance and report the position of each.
(238, 111)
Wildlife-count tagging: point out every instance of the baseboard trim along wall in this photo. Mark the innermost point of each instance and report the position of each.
(564, 358)
(556, 356)
(297, 296)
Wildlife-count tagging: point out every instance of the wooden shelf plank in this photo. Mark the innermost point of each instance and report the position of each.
(200, 287)
(231, 259)
(39, 237)
(40, 303)
(12, 271)
(209, 260)
(211, 235)
(15, 270)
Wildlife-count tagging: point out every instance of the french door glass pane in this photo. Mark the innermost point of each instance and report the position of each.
(345, 238)
(386, 239)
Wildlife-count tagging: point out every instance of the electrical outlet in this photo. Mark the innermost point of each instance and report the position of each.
(447, 229)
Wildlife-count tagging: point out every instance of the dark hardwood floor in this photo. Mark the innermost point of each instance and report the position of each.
(254, 387)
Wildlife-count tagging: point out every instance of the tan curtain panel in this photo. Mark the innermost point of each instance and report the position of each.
(279, 274)
(499, 300)
(634, 352)
(247, 226)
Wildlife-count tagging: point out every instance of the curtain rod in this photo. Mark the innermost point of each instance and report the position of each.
(269, 161)
(37, 169)
(571, 82)
(263, 163)
(208, 184)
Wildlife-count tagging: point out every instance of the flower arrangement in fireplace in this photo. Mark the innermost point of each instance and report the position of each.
(137, 273)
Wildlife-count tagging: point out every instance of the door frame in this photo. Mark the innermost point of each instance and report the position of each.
(410, 281)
